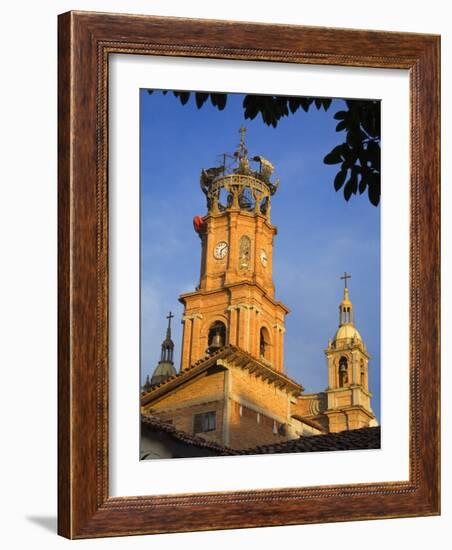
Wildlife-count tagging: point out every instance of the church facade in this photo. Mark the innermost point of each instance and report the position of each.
(231, 388)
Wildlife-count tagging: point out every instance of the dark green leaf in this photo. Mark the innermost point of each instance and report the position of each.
(294, 104)
(374, 191)
(348, 190)
(339, 179)
(305, 103)
(362, 184)
(340, 115)
(201, 98)
(354, 179)
(334, 156)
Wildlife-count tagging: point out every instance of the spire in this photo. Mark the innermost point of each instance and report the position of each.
(165, 368)
(347, 329)
(346, 306)
(168, 344)
(168, 330)
(242, 151)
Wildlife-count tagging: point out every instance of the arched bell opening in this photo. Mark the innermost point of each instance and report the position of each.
(343, 372)
(264, 344)
(217, 336)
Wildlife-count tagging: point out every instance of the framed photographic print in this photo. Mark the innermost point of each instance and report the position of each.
(248, 275)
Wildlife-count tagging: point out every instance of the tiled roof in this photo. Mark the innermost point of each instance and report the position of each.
(231, 353)
(309, 422)
(158, 425)
(363, 438)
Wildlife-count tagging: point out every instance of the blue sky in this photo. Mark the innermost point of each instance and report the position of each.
(320, 235)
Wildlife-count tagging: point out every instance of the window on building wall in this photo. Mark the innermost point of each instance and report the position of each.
(363, 374)
(204, 422)
(264, 344)
(282, 429)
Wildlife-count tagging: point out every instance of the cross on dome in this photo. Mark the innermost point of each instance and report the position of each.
(344, 277)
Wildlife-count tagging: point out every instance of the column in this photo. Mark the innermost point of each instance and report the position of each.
(330, 367)
(252, 313)
(281, 350)
(248, 328)
(243, 336)
(187, 320)
(256, 333)
(232, 325)
(196, 353)
(275, 343)
(206, 283)
(356, 369)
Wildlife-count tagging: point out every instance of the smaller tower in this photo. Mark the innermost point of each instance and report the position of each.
(348, 393)
(165, 368)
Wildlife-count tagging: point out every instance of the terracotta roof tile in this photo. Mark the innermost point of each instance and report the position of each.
(363, 438)
(158, 425)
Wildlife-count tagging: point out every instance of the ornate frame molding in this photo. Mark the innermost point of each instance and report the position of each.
(85, 42)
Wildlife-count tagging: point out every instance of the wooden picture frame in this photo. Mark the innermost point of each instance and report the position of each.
(86, 40)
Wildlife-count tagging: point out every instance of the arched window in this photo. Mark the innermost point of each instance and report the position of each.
(343, 372)
(363, 373)
(217, 336)
(264, 344)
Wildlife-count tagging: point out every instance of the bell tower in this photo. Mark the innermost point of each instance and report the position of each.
(347, 358)
(234, 302)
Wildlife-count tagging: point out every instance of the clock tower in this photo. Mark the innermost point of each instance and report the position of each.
(234, 302)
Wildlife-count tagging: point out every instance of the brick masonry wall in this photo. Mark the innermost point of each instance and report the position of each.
(204, 394)
(207, 386)
(247, 428)
(182, 419)
(255, 390)
(261, 403)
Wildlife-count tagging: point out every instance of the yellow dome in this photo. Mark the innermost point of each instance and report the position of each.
(347, 331)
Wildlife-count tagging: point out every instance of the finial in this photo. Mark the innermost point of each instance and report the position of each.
(242, 151)
(345, 307)
(344, 277)
(168, 330)
(169, 317)
(242, 131)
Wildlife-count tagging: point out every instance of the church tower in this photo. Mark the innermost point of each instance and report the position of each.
(348, 396)
(234, 302)
(165, 368)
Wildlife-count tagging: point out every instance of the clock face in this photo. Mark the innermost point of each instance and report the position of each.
(264, 259)
(220, 250)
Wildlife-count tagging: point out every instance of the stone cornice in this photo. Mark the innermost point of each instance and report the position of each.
(227, 357)
(191, 317)
(265, 295)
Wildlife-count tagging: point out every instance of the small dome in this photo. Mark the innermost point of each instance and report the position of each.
(163, 371)
(347, 331)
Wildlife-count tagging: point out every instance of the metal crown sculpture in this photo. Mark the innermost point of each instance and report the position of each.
(237, 186)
